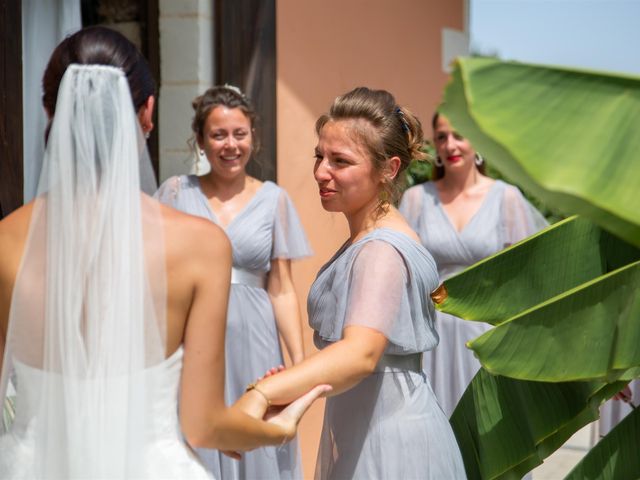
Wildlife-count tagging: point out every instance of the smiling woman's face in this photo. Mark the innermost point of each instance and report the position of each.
(227, 140)
(344, 171)
(454, 150)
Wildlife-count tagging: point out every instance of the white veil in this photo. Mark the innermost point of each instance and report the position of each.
(88, 307)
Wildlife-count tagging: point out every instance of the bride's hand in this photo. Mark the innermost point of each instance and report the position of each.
(253, 402)
(288, 416)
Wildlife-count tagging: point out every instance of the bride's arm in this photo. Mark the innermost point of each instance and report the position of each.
(7, 279)
(205, 420)
(13, 235)
(2, 342)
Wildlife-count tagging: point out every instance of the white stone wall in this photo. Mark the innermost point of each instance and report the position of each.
(186, 70)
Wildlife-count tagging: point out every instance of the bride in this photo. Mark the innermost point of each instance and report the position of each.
(108, 303)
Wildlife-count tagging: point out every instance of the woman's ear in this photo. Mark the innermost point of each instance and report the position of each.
(145, 114)
(392, 168)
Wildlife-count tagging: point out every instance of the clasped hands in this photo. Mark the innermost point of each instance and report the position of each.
(256, 404)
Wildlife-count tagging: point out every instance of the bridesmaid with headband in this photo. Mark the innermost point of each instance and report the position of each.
(266, 234)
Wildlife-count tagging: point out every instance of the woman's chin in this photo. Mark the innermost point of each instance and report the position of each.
(329, 205)
(228, 171)
(458, 165)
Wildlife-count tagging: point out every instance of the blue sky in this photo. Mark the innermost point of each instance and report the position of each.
(592, 34)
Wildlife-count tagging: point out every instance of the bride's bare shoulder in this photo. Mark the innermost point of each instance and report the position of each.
(14, 228)
(193, 236)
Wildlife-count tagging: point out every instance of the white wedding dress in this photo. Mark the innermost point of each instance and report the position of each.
(95, 391)
(165, 453)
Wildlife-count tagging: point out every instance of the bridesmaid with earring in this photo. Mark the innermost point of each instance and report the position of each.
(462, 216)
(370, 308)
(266, 234)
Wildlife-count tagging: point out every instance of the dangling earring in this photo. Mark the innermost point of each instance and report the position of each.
(147, 135)
(383, 197)
(479, 160)
(438, 162)
(201, 152)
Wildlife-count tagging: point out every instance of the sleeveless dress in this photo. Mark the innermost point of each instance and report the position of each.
(267, 228)
(165, 453)
(504, 218)
(389, 426)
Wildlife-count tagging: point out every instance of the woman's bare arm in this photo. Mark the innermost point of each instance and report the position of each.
(375, 293)
(14, 230)
(205, 420)
(342, 365)
(286, 308)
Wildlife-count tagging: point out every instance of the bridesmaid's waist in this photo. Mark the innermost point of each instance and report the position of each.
(411, 362)
(250, 278)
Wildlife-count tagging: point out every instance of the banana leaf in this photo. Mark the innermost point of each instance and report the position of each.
(565, 303)
(561, 257)
(506, 427)
(591, 332)
(567, 136)
(616, 456)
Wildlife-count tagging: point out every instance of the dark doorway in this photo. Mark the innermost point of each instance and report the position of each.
(138, 20)
(11, 148)
(245, 56)
(11, 170)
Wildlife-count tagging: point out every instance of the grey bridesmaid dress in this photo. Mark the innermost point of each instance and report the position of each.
(267, 228)
(504, 218)
(389, 426)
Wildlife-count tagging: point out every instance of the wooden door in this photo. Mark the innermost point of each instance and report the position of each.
(245, 56)
(11, 171)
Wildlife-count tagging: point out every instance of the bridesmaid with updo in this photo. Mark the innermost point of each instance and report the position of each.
(370, 307)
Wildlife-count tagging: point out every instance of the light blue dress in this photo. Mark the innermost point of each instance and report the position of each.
(504, 218)
(267, 228)
(389, 426)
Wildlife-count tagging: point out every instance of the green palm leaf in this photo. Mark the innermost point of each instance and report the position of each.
(562, 257)
(570, 137)
(506, 427)
(615, 456)
(590, 332)
(565, 302)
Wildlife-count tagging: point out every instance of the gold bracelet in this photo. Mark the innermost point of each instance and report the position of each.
(254, 386)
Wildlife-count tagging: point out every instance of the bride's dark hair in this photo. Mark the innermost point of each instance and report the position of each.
(98, 46)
